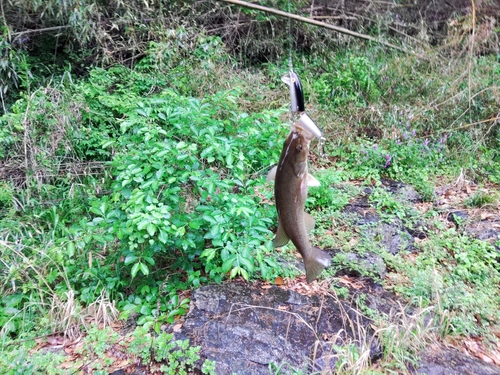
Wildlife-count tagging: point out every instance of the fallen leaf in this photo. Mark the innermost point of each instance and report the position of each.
(347, 281)
(486, 215)
(55, 340)
(485, 358)
(121, 364)
(278, 280)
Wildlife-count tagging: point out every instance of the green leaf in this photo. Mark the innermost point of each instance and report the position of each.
(107, 144)
(71, 248)
(209, 253)
(228, 263)
(195, 224)
(247, 263)
(144, 268)
(210, 219)
(174, 301)
(151, 228)
(244, 273)
(159, 173)
(145, 310)
(131, 258)
(234, 272)
(135, 269)
(178, 311)
(217, 243)
(144, 319)
(143, 224)
(216, 230)
(163, 236)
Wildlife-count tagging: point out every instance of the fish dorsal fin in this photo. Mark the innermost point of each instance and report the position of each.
(271, 175)
(309, 222)
(280, 239)
(311, 181)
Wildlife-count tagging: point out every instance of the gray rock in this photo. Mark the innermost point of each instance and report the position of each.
(356, 265)
(402, 191)
(484, 231)
(418, 230)
(446, 361)
(376, 233)
(246, 329)
(362, 213)
(391, 237)
(457, 217)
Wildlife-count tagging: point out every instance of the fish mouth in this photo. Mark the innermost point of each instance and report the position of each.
(309, 126)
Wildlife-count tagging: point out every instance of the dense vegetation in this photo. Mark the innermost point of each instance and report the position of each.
(133, 162)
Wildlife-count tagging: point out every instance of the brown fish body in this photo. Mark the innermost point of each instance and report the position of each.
(290, 192)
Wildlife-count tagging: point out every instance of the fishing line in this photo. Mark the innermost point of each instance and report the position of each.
(290, 60)
(297, 107)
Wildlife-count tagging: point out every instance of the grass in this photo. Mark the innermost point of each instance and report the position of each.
(132, 186)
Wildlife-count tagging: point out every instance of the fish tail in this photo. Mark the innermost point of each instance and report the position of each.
(316, 262)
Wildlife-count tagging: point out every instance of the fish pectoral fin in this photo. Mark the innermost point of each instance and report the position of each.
(271, 175)
(312, 181)
(280, 239)
(309, 222)
(316, 262)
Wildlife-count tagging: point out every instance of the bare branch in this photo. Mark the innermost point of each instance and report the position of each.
(315, 22)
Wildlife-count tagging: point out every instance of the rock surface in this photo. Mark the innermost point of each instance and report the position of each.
(448, 361)
(246, 328)
(253, 329)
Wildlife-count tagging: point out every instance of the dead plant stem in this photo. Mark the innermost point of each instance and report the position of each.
(316, 23)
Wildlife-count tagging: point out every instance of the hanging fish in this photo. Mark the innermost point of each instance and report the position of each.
(290, 193)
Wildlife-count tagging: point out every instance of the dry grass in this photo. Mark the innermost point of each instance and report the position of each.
(64, 313)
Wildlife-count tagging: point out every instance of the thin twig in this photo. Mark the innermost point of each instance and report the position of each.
(317, 23)
(471, 53)
(40, 31)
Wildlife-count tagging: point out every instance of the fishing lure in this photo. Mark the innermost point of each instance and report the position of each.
(304, 124)
(296, 93)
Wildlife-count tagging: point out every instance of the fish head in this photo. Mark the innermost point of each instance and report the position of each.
(299, 150)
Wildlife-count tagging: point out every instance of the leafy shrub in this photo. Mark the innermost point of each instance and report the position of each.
(183, 193)
(14, 71)
(174, 194)
(20, 360)
(460, 275)
(175, 356)
(350, 81)
(177, 206)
